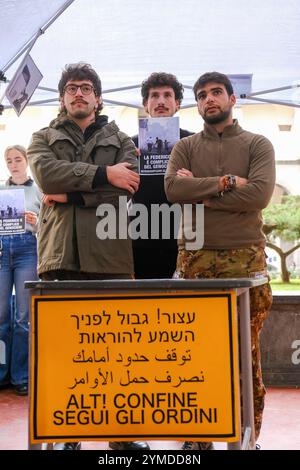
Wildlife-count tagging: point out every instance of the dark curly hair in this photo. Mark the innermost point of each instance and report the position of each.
(157, 79)
(81, 71)
(215, 77)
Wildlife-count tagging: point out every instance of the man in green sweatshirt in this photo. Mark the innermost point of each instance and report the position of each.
(232, 172)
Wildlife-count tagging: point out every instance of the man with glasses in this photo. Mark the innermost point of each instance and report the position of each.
(79, 162)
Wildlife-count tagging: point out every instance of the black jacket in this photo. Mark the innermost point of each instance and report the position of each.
(151, 191)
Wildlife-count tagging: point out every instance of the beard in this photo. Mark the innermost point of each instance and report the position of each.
(79, 114)
(216, 119)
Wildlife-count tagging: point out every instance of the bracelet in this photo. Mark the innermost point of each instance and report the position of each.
(229, 182)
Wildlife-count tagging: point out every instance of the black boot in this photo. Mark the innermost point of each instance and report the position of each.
(129, 445)
(190, 445)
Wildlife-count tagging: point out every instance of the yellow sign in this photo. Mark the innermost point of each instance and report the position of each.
(128, 367)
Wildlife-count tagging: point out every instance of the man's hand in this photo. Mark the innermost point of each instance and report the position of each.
(206, 202)
(183, 173)
(50, 199)
(240, 181)
(31, 217)
(121, 176)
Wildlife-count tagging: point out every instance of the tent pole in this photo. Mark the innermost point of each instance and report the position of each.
(264, 100)
(55, 101)
(37, 103)
(29, 45)
(271, 90)
(129, 87)
(120, 103)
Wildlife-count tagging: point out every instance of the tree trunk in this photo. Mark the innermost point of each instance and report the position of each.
(285, 274)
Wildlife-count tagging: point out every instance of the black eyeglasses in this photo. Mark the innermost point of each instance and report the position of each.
(85, 89)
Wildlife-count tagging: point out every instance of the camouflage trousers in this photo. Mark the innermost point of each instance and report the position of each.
(245, 262)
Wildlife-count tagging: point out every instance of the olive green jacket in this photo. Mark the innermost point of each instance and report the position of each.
(62, 162)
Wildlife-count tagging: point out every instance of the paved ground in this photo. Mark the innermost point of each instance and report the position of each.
(280, 430)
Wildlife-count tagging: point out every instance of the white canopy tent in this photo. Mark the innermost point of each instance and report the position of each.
(126, 40)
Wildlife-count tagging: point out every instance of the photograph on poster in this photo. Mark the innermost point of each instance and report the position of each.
(12, 211)
(157, 136)
(23, 84)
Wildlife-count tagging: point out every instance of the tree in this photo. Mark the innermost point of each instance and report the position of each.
(283, 221)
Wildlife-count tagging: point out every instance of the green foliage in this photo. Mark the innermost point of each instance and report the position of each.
(295, 274)
(283, 220)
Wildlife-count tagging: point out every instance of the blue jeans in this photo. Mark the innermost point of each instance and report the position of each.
(18, 263)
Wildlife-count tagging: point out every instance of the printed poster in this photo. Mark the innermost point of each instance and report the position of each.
(157, 137)
(12, 211)
(23, 84)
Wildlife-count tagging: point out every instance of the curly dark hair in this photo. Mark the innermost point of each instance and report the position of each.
(81, 71)
(157, 79)
(215, 77)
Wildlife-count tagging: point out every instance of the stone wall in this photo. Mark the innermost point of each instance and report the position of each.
(280, 342)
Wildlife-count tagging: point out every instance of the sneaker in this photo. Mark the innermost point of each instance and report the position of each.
(257, 447)
(128, 445)
(21, 389)
(191, 445)
(67, 446)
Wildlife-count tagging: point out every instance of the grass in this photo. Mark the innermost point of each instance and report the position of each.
(293, 285)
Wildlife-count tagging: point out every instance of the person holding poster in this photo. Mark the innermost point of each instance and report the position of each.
(81, 162)
(162, 94)
(18, 263)
(232, 172)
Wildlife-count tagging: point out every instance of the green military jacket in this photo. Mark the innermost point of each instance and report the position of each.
(62, 161)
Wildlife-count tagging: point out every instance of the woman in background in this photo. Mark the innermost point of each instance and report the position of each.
(18, 263)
